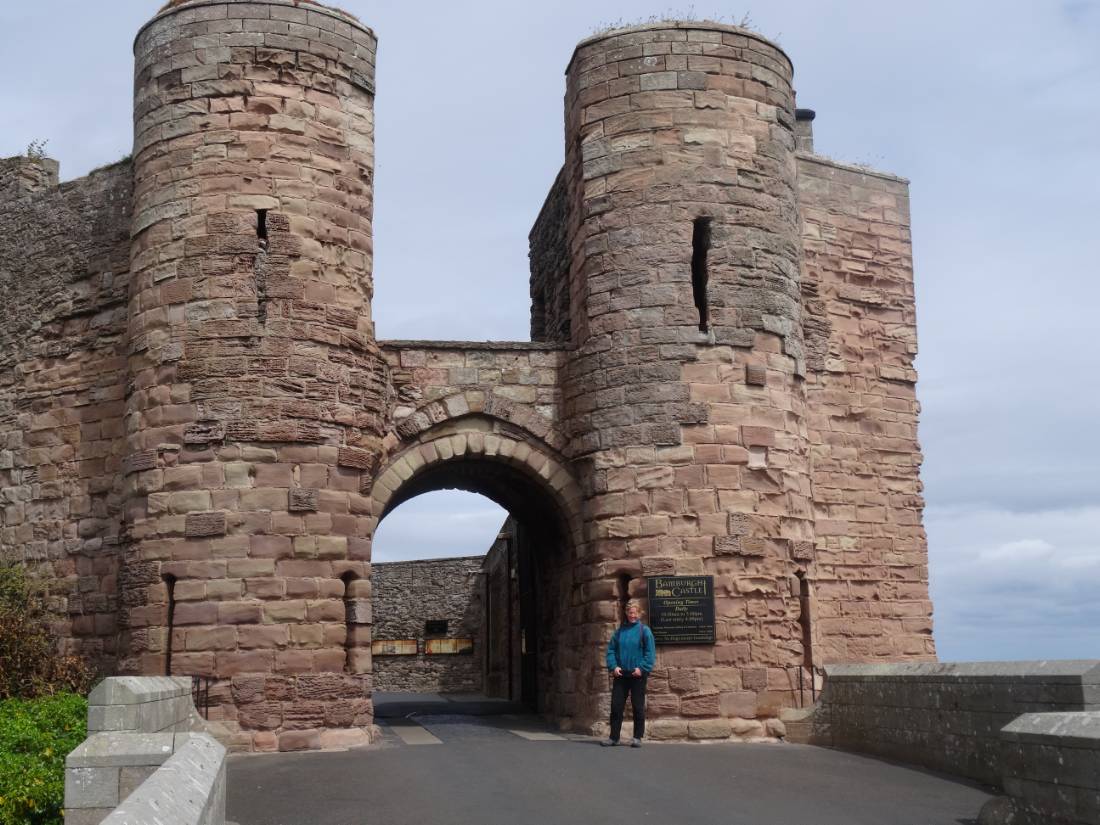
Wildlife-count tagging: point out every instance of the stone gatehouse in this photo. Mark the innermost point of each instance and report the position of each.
(199, 432)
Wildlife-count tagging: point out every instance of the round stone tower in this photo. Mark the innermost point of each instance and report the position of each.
(257, 392)
(685, 395)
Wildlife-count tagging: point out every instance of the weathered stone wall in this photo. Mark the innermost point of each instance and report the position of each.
(257, 394)
(870, 579)
(501, 649)
(946, 717)
(193, 405)
(406, 595)
(64, 272)
(23, 175)
(484, 417)
(515, 381)
(1049, 772)
(550, 258)
(688, 428)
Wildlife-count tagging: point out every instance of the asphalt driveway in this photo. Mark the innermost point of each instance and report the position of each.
(505, 770)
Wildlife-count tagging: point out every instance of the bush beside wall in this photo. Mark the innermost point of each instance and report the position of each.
(35, 736)
(31, 663)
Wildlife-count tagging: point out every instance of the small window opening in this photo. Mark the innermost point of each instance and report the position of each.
(624, 588)
(435, 627)
(170, 585)
(350, 622)
(700, 245)
(804, 620)
(259, 266)
(261, 228)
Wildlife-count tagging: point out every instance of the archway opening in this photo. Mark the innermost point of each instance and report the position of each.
(471, 587)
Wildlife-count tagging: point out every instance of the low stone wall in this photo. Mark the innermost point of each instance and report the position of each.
(145, 759)
(1051, 771)
(947, 717)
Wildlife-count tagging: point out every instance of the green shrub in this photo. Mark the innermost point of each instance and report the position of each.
(30, 663)
(35, 737)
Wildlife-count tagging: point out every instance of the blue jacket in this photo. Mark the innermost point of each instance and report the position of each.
(632, 646)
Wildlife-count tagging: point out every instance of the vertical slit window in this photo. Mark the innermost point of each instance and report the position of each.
(804, 621)
(700, 246)
(261, 227)
(170, 586)
(624, 588)
(349, 621)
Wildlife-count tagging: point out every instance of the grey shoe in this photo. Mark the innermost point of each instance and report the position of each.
(635, 743)
(608, 743)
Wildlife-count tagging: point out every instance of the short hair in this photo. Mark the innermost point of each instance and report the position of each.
(632, 603)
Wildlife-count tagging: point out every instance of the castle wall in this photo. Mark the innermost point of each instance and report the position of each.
(684, 397)
(64, 272)
(199, 433)
(502, 646)
(517, 382)
(871, 576)
(550, 258)
(409, 593)
(258, 395)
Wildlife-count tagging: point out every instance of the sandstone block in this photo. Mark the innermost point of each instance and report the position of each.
(262, 636)
(303, 500)
(189, 502)
(737, 703)
(707, 705)
(775, 727)
(709, 729)
(746, 728)
(665, 729)
(344, 739)
(240, 613)
(199, 525)
(299, 740)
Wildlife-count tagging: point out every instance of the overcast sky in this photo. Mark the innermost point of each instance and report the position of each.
(992, 109)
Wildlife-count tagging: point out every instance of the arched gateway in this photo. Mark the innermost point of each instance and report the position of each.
(522, 473)
(720, 383)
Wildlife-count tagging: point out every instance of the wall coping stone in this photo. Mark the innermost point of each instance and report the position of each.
(1066, 671)
(822, 160)
(539, 346)
(111, 749)
(1076, 729)
(188, 789)
(408, 562)
(133, 690)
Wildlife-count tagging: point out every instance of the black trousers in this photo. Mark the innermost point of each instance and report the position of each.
(635, 687)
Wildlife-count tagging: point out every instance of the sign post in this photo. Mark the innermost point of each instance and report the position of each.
(681, 609)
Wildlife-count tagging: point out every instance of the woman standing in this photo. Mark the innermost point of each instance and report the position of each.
(631, 654)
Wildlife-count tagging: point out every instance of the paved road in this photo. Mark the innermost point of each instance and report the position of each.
(510, 770)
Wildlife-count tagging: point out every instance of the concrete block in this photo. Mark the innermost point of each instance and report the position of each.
(129, 690)
(91, 787)
(130, 779)
(189, 789)
(113, 717)
(111, 749)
